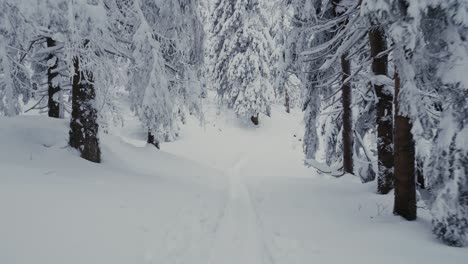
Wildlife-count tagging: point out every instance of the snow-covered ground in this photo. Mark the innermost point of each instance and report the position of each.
(224, 193)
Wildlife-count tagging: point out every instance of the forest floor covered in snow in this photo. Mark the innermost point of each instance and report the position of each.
(225, 192)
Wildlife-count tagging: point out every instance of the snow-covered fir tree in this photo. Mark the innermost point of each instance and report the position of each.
(285, 81)
(306, 65)
(149, 91)
(448, 164)
(167, 56)
(91, 48)
(241, 52)
(15, 87)
(50, 71)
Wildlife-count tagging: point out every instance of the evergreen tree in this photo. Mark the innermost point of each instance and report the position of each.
(384, 118)
(305, 14)
(404, 142)
(50, 26)
(15, 87)
(346, 96)
(242, 47)
(448, 163)
(167, 58)
(334, 31)
(91, 47)
(150, 95)
(405, 181)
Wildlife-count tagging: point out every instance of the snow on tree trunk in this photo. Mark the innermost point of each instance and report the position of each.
(53, 82)
(405, 182)
(152, 140)
(384, 118)
(83, 124)
(254, 119)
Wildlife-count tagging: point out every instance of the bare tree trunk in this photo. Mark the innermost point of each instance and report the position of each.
(348, 135)
(378, 44)
(254, 119)
(53, 86)
(83, 124)
(152, 140)
(405, 182)
(287, 103)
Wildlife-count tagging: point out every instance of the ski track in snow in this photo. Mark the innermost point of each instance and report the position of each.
(222, 194)
(239, 234)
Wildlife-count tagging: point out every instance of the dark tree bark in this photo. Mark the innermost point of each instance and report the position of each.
(346, 100)
(53, 104)
(405, 182)
(384, 119)
(420, 174)
(287, 103)
(348, 136)
(83, 124)
(254, 119)
(152, 140)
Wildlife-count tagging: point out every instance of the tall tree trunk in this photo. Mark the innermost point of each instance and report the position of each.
(384, 119)
(83, 124)
(348, 136)
(53, 85)
(405, 181)
(254, 119)
(152, 140)
(346, 99)
(287, 103)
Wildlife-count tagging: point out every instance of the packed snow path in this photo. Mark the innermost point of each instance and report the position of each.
(279, 211)
(239, 232)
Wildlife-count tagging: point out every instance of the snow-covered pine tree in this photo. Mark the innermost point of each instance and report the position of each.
(402, 41)
(191, 81)
(335, 33)
(286, 84)
(384, 92)
(148, 83)
(167, 58)
(241, 52)
(447, 168)
(15, 85)
(51, 74)
(280, 74)
(430, 51)
(90, 48)
(299, 40)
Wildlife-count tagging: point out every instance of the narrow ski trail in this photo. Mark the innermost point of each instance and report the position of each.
(238, 238)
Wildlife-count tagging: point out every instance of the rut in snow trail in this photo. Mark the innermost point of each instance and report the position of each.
(238, 238)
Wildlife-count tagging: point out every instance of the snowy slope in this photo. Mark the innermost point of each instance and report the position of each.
(139, 206)
(224, 193)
